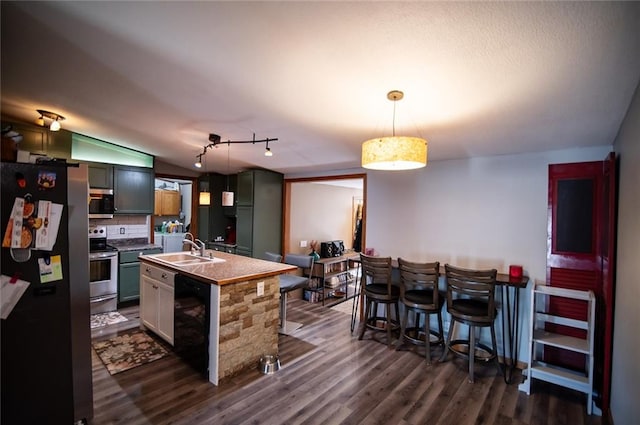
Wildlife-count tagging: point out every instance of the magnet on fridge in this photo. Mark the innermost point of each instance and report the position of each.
(46, 180)
(22, 182)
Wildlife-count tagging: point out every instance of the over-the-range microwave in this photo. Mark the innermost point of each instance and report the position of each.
(101, 203)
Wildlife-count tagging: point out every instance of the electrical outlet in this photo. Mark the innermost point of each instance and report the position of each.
(303, 244)
(122, 230)
(261, 289)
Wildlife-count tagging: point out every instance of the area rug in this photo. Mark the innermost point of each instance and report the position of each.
(104, 319)
(129, 350)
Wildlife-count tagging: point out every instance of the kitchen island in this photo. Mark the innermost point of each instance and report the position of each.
(243, 305)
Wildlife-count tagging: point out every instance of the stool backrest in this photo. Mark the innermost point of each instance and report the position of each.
(376, 269)
(419, 276)
(300, 260)
(272, 256)
(477, 285)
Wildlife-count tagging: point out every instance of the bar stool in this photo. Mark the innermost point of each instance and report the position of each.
(419, 295)
(471, 301)
(378, 289)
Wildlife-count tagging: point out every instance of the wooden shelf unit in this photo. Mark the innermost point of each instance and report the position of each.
(334, 274)
(539, 337)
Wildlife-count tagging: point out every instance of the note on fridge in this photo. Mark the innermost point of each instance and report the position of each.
(47, 234)
(12, 290)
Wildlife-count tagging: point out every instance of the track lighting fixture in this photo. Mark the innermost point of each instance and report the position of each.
(215, 141)
(55, 119)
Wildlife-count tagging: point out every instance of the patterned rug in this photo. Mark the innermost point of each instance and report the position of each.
(129, 350)
(104, 319)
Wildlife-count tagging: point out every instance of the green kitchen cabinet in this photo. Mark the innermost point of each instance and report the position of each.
(100, 175)
(129, 274)
(245, 188)
(259, 219)
(133, 189)
(42, 141)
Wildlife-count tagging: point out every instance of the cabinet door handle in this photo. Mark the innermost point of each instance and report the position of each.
(164, 275)
(148, 270)
(154, 287)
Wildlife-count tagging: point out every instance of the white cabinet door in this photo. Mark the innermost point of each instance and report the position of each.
(149, 302)
(165, 312)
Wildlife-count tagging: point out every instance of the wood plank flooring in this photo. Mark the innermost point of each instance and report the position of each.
(327, 377)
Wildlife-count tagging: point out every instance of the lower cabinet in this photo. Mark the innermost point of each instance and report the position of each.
(157, 300)
(129, 274)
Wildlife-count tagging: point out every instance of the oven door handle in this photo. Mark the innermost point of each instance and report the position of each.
(100, 299)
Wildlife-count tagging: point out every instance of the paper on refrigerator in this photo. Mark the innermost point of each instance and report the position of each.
(11, 293)
(51, 214)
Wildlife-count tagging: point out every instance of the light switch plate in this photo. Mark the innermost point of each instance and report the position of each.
(261, 289)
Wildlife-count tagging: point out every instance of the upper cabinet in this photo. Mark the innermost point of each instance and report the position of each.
(133, 189)
(42, 141)
(101, 175)
(245, 188)
(167, 202)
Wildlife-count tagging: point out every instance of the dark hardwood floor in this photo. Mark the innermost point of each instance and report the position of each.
(327, 377)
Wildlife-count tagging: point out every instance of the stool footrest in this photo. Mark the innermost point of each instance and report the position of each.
(416, 336)
(460, 347)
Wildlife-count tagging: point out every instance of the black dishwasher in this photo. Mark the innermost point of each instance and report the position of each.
(191, 322)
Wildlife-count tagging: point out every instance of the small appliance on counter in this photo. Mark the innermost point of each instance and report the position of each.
(331, 249)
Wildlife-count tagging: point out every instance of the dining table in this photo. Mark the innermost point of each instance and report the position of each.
(511, 287)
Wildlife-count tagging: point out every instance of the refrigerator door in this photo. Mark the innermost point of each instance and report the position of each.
(48, 330)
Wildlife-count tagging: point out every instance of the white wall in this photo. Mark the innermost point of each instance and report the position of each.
(321, 212)
(625, 385)
(475, 213)
(479, 212)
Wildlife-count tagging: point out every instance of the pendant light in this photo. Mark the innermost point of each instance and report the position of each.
(205, 196)
(395, 152)
(227, 196)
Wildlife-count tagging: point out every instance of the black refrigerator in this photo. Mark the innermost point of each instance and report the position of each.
(46, 337)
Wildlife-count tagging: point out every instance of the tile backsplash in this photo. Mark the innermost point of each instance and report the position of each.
(125, 226)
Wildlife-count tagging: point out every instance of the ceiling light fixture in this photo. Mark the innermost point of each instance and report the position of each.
(204, 198)
(215, 141)
(227, 196)
(55, 119)
(395, 152)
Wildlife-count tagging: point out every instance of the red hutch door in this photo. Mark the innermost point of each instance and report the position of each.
(580, 255)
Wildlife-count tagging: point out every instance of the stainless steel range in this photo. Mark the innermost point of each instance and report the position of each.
(103, 272)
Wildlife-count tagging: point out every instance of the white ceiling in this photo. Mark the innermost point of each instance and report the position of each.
(479, 78)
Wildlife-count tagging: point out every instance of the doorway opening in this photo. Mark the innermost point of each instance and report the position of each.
(324, 209)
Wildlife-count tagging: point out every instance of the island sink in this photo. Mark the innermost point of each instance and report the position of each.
(186, 259)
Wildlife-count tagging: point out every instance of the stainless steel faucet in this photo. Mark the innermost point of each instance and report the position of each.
(198, 244)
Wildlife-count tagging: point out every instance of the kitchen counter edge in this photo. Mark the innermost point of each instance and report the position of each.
(236, 268)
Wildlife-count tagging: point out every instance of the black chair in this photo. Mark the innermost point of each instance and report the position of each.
(471, 301)
(419, 294)
(378, 289)
(289, 282)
